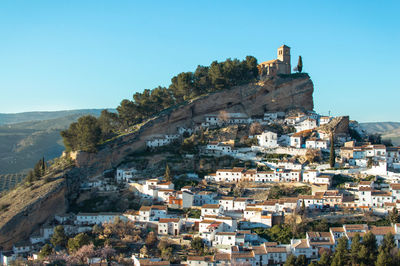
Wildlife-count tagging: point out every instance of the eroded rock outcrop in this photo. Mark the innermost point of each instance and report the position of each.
(275, 94)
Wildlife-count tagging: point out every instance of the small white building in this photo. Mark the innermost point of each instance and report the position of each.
(268, 139)
(211, 209)
(169, 226)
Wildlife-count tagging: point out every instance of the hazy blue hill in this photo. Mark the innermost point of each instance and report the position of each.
(37, 116)
(380, 127)
(388, 130)
(23, 144)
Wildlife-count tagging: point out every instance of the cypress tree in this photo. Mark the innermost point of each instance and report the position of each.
(332, 155)
(167, 174)
(300, 64)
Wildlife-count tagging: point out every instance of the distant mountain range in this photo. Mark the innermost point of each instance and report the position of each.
(37, 116)
(388, 130)
(27, 137)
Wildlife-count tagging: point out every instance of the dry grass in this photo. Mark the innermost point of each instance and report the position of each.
(22, 196)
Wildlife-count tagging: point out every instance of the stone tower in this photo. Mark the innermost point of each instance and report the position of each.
(284, 56)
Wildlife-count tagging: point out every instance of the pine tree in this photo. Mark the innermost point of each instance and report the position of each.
(355, 249)
(291, 260)
(59, 239)
(369, 241)
(341, 252)
(388, 243)
(45, 251)
(383, 259)
(301, 260)
(300, 64)
(332, 155)
(325, 259)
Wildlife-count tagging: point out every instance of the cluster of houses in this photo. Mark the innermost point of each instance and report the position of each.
(272, 253)
(224, 222)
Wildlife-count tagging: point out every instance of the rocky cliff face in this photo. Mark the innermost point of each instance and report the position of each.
(276, 94)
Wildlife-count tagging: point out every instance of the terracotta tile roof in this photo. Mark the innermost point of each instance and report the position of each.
(353, 234)
(242, 255)
(365, 183)
(210, 206)
(364, 189)
(302, 244)
(150, 262)
(201, 258)
(226, 233)
(276, 249)
(382, 230)
(270, 244)
(337, 229)
(159, 207)
(169, 220)
(222, 257)
(355, 227)
(145, 208)
(259, 250)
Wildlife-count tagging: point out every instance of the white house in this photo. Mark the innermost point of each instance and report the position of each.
(268, 139)
(315, 143)
(124, 175)
(169, 226)
(158, 141)
(96, 218)
(306, 124)
(211, 209)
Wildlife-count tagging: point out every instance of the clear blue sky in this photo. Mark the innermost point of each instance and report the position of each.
(57, 55)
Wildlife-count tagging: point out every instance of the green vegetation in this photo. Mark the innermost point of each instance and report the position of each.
(193, 213)
(277, 191)
(299, 66)
(183, 181)
(278, 233)
(78, 241)
(275, 156)
(38, 171)
(59, 238)
(339, 180)
(89, 132)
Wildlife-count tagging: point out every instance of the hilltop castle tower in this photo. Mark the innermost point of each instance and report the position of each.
(277, 66)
